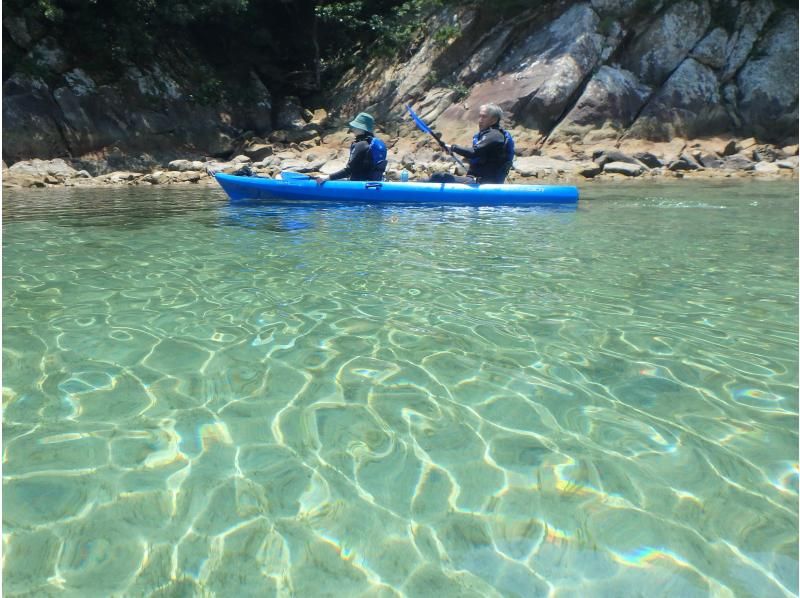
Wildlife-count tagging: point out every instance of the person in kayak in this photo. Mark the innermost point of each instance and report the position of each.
(491, 155)
(367, 160)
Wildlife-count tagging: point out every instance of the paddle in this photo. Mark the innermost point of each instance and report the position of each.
(437, 136)
(290, 175)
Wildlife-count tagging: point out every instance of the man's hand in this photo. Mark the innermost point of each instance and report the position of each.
(320, 180)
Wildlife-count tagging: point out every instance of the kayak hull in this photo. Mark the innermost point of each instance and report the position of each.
(301, 188)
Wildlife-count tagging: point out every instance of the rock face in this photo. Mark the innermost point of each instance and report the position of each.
(608, 105)
(536, 79)
(605, 70)
(64, 112)
(767, 84)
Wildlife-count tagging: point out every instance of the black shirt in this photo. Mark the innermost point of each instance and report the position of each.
(359, 166)
(488, 162)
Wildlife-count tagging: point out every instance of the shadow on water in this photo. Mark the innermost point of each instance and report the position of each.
(292, 216)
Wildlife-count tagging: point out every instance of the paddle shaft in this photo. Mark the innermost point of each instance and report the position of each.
(425, 128)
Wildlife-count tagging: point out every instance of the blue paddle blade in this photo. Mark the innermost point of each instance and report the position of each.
(289, 175)
(426, 129)
(418, 121)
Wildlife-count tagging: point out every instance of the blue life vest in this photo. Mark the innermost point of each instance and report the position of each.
(508, 149)
(378, 151)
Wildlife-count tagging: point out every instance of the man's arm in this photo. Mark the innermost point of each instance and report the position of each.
(462, 151)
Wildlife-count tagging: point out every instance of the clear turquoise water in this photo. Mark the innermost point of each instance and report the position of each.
(202, 399)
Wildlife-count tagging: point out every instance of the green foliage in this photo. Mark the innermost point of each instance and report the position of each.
(370, 28)
(444, 34)
(49, 10)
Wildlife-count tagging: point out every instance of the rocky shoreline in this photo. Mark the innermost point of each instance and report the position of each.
(323, 154)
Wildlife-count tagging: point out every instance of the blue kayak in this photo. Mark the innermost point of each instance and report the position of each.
(299, 187)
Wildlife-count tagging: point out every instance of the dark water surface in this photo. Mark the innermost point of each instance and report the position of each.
(206, 399)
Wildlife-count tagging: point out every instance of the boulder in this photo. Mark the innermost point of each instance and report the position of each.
(258, 151)
(486, 55)
(738, 162)
(684, 162)
(788, 150)
(766, 168)
(154, 178)
(625, 168)
(745, 144)
(765, 153)
(120, 177)
(730, 148)
(648, 159)
(589, 170)
(665, 44)
(688, 105)
(603, 157)
(708, 160)
(711, 51)
(319, 117)
(31, 120)
(788, 163)
(189, 177)
(290, 115)
(186, 165)
(537, 78)
(767, 84)
(751, 18)
(23, 179)
(607, 106)
(43, 168)
(90, 116)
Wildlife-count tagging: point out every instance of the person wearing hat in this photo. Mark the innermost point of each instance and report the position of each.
(367, 160)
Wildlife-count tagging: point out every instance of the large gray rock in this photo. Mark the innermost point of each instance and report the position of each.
(766, 168)
(684, 162)
(711, 51)
(688, 105)
(738, 162)
(767, 84)
(90, 119)
(56, 167)
(751, 16)
(788, 163)
(290, 115)
(667, 41)
(30, 120)
(624, 168)
(607, 106)
(487, 54)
